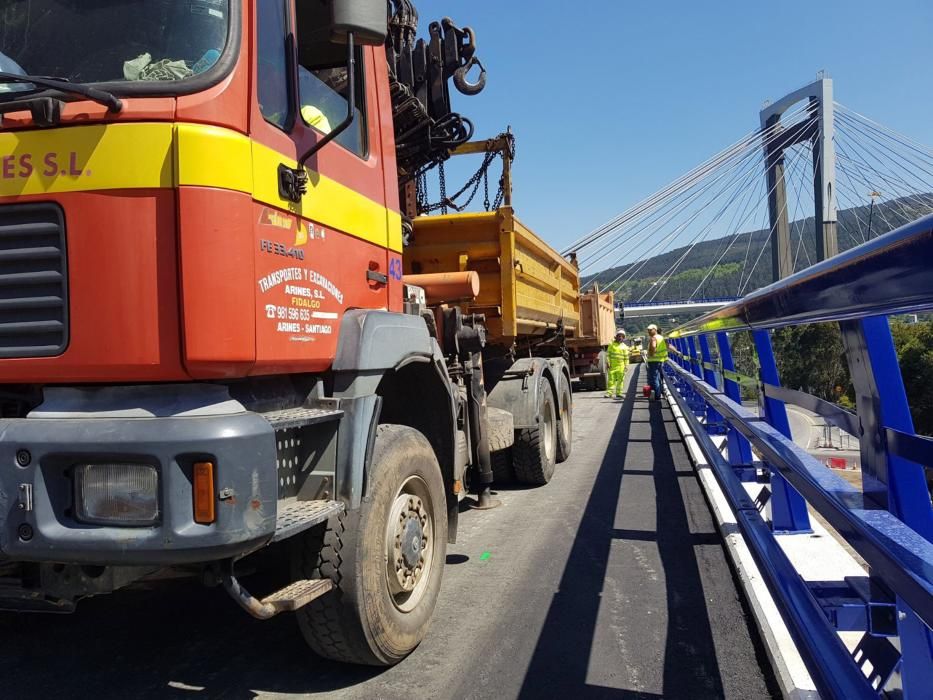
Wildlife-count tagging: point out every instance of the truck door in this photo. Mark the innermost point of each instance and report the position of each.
(328, 252)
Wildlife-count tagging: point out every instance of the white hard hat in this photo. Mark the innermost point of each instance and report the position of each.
(620, 331)
(652, 327)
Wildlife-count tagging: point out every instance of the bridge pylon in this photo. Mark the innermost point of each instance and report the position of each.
(817, 128)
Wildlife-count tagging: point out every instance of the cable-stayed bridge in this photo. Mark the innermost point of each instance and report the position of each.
(816, 177)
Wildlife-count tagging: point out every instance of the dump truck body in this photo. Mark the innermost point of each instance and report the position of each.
(597, 330)
(526, 287)
(529, 303)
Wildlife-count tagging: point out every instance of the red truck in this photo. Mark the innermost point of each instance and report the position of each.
(206, 343)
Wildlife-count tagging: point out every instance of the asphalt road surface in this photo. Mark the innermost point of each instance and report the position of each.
(610, 582)
(802, 427)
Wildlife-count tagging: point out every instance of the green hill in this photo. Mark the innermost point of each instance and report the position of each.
(729, 275)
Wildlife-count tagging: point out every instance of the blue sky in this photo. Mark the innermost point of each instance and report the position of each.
(611, 100)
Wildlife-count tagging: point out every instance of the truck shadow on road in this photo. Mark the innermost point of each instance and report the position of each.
(566, 661)
(180, 641)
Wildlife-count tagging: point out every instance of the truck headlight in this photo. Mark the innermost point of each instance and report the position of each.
(117, 494)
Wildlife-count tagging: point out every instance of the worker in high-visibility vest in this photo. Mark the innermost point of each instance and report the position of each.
(617, 354)
(656, 356)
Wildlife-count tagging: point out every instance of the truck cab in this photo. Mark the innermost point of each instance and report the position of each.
(162, 225)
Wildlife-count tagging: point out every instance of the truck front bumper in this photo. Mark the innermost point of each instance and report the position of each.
(38, 455)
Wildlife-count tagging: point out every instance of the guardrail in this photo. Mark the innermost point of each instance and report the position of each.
(889, 521)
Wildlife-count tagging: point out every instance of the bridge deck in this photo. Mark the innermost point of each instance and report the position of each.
(610, 582)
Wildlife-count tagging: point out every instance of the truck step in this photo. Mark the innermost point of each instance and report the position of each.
(297, 516)
(298, 594)
(299, 417)
(288, 599)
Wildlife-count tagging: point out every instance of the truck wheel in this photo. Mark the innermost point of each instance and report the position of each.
(565, 424)
(386, 559)
(603, 369)
(535, 450)
(501, 436)
(501, 432)
(502, 470)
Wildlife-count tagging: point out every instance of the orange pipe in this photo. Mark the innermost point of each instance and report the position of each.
(441, 287)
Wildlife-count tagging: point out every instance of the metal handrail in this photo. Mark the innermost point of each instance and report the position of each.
(903, 558)
(889, 521)
(880, 277)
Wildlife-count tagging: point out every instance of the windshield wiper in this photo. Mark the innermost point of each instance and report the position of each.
(110, 101)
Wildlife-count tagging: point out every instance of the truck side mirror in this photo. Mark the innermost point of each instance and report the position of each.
(366, 20)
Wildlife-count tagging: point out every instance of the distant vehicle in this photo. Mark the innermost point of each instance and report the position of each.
(587, 348)
(637, 350)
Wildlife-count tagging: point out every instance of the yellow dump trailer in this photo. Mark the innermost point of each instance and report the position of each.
(530, 298)
(597, 318)
(597, 329)
(526, 288)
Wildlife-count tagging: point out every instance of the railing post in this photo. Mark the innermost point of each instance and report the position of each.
(681, 359)
(694, 399)
(715, 424)
(788, 509)
(888, 481)
(740, 452)
(679, 344)
(694, 362)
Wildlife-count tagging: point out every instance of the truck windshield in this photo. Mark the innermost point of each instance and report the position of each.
(104, 41)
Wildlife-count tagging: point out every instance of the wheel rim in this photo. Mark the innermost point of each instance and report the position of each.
(409, 544)
(549, 432)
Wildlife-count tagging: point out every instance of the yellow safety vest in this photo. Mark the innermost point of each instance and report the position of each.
(617, 354)
(315, 117)
(660, 351)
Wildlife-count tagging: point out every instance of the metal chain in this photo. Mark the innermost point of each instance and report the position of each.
(421, 188)
(443, 178)
(480, 177)
(486, 189)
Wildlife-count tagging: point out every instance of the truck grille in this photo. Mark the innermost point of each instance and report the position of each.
(33, 281)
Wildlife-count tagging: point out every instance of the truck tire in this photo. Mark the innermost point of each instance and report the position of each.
(603, 372)
(384, 590)
(501, 435)
(502, 470)
(565, 423)
(501, 432)
(534, 453)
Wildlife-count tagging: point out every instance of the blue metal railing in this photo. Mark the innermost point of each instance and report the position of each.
(889, 521)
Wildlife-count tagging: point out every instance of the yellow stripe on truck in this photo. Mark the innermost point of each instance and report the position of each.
(327, 201)
(164, 155)
(82, 158)
(209, 156)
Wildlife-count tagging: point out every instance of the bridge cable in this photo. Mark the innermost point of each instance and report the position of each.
(640, 262)
(692, 197)
(794, 219)
(892, 164)
(751, 179)
(795, 163)
(746, 214)
(635, 266)
(611, 245)
(679, 184)
(793, 166)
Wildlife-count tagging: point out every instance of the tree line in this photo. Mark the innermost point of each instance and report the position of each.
(811, 358)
